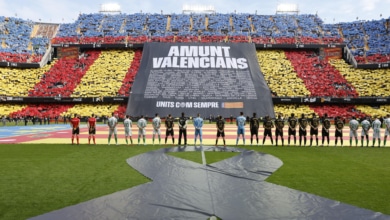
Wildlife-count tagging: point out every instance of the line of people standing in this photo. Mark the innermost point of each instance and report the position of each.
(303, 124)
(294, 124)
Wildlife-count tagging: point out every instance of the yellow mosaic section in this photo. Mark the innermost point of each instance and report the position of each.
(87, 109)
(385, 108)
(280, 74)
(298, 110)
(17, 82)
(372, 111)
(105, 76)
(7, 109)
(366, 82)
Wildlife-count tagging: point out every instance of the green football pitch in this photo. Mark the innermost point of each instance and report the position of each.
(38, 178)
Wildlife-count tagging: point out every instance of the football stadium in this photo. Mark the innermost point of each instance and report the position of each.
(194, 115)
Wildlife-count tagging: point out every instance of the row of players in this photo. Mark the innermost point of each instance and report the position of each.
(254, 124)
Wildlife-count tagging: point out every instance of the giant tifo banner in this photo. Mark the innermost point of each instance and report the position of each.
(206, 78)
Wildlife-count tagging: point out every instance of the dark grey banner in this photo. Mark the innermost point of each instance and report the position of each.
(207, 78)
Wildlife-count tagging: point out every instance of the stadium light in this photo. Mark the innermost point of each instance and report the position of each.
(110, 8)
(198, 9)
(287, 9)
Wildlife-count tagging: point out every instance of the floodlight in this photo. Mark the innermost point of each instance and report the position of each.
(110, 8)
(287, 8)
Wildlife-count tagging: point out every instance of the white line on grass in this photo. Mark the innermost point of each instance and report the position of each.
(203, 158)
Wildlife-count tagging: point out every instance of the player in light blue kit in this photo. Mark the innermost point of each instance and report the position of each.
(156, 128)
(112, 123)
(376, 126)
(127, 123)
(366, 125)
(198, 124)
(387, 128)
(240, 122)
(141, 124)
(353, 127)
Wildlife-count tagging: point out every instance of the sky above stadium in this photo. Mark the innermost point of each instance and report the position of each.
(66, 11)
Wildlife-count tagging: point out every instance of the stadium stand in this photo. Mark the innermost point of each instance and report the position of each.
(41, 110)
(131, 72)
(298, 110)
(108, 72)
(345, 111)
(64, 75)
(104, 77)
(8, 109)
(320, 78)
(277, 70)
(372, 83)
(18, 82)
(24, 41)
(86, 110)
(369, 110)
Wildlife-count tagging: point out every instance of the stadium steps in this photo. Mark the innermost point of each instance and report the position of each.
(206, 22)
(168, 27)
(191, 23)
(34, 31)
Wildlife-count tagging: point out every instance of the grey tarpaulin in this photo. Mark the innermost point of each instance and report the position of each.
(230, 189)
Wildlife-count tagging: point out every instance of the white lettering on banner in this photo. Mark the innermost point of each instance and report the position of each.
(197, 105)
(165, 104)
(199, 51)
(200, 57)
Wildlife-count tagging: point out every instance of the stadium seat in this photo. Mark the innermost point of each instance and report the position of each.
(9, 109)
(63, 76)
(277, 70)
(320, 78)
(130, 75)
(85, 110)
(104, 77)
(366, 82)
(345, 111)
(18, 82)
(298, 110)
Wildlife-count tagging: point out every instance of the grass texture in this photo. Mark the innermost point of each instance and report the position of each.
(38, 178)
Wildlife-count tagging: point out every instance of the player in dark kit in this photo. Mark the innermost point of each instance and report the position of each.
(169, 124)
(302, 130)
(183, 128)
(279, 124)
(220, 130)
(314, 124)
(325, 128)
(339, 124)
(292, 124)
(91, 129)
(254, 127)
(75, 123)
(268, 125)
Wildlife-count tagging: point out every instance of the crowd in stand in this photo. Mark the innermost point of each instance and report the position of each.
(368, 40)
